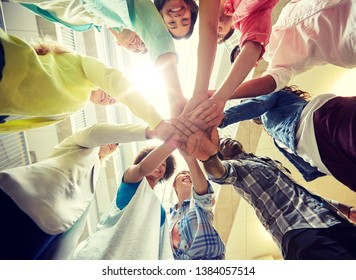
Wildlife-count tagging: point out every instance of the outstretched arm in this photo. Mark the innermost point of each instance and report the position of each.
(203, 145)
(250, 53)
(255, 87)
(150, 163)
(167, 65)
(199, 181)
(208, 23)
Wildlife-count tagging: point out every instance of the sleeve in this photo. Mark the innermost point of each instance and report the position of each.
(125, 193)
(150, 27)
(281, 75)
(104, 133)
(230, 176)
(257, 25)
(205, 201)
(115, 83)
(249, 109)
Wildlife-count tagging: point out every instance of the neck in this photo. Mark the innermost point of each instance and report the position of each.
(181, 199)
(152, 182)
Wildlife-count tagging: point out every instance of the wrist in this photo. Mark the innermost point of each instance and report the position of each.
(209, 158)
(150, 133)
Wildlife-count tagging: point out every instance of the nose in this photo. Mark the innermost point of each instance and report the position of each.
(177, 15)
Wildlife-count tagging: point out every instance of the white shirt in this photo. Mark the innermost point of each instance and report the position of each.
(306, 145)
(55, 192)
(310, 33)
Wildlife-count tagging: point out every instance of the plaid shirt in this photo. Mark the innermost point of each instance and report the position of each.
(198, 238)
(280, 203)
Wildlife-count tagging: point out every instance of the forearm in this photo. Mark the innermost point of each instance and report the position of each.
(199, 181)
(255, 87)
(106, 133)
(141, 108)
(214, 167)
(167, 66)
(154, 159)
(208, 22)
(246, 60)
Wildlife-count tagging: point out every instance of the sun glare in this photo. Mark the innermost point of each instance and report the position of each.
(147, 80)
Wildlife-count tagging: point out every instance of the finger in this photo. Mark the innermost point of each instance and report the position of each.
(182, 147)
(215, 121)
(182, 128)
(192, 126)
(209, 113)
(182, 137)
(195, 113)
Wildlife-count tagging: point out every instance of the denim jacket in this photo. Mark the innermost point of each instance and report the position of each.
(280, 114)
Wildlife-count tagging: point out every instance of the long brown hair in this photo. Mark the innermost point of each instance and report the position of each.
(47, 45)
(294, 89)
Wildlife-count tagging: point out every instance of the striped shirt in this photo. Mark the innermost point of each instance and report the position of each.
(198, 237)
(280, 203)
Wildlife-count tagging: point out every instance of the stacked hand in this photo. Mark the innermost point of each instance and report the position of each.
(198, 133)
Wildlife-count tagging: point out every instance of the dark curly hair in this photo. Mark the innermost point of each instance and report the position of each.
(170, 162)
(194, 8)
(234, 53)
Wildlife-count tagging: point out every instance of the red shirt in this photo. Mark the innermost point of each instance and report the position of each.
(253, 18)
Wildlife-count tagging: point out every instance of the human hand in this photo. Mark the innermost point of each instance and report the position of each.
(205, 119)
(352, 216)
(177, 106)
(197, 143)
(164, 130)
(194, 103)
(211, 110)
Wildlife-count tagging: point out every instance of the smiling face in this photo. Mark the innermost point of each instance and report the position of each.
(183, 184)
(100, 97)
(230, 148)
(158, 173)
(224, 26)
(177, 17)
(130, 41)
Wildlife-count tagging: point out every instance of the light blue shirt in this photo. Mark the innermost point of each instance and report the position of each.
(140, 16)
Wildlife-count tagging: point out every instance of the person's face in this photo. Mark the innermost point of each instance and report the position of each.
(229, 148)
(100, 97)
(130, 41)
(177, 17)
(159, 172)
(183, 183)
(224, 26)
(107, 150)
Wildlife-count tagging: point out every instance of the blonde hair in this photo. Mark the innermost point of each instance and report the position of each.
(46, 45)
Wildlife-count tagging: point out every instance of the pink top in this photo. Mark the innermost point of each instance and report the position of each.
(253, 18)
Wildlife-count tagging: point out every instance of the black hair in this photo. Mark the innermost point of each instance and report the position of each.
(239, 151)
(235, 51)
(170, 162)
(227, 36)
(193, 7)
